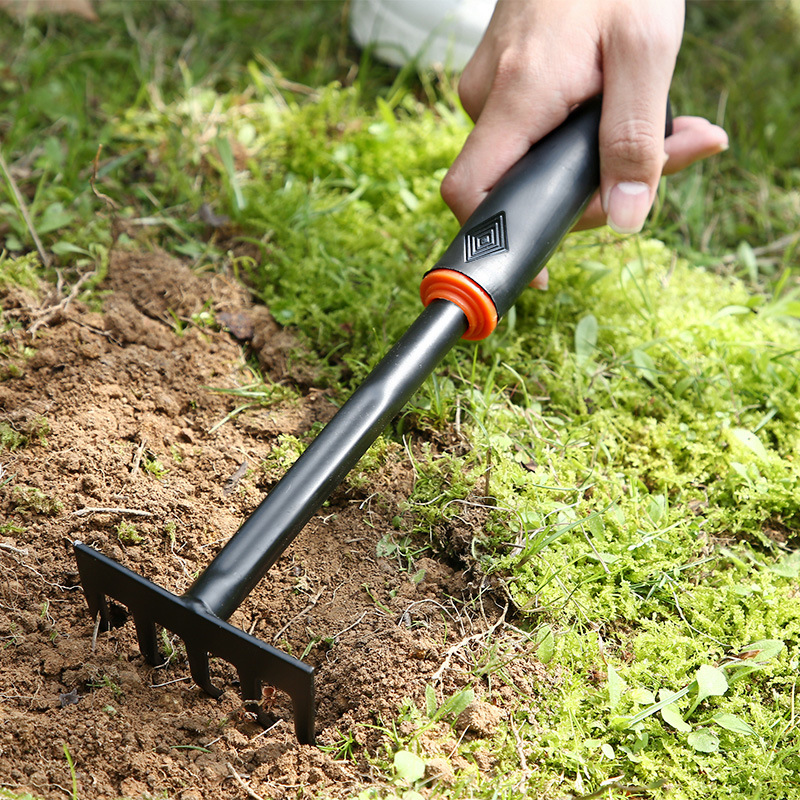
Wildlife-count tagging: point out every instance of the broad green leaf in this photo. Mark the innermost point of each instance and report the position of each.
(666, 699)
(615, 687)
(644, 697)
(409, 199)
(430, 701)
(586, 337)
(545, 645)
(645, 366)
(386, 547)
(747, 258)
(608, 751)
(750, 441)
(455, 704)
(788, 566)
(657, 508)
(595, 271)
(63, 248)
(672, 716)
(55, 216)
(711, 682)
(729, 311)
(409, 766)
(603, 557)
(733, 723)
(764, 649)
(704, 741)
(743, 472)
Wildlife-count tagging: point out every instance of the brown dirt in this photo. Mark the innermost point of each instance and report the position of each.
(119, 389)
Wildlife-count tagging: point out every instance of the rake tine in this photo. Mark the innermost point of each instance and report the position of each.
(201, 674)
(148, 639)
(250, 686)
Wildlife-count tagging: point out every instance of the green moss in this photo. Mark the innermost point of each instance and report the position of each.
(29, 499)
(128, 533)
(23, 271)
(10, 439)
(24, 433)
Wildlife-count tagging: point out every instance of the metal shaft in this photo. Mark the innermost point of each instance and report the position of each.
(270, 529)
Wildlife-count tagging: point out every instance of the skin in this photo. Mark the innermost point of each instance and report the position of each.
(539, 59)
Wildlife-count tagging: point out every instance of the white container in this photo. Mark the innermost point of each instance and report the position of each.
(442, 33)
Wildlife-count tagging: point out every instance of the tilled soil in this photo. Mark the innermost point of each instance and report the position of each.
(116, 437)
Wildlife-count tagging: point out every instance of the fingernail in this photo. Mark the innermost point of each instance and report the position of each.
(627, 206)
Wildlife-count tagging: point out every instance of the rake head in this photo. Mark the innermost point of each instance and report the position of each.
(203, 634)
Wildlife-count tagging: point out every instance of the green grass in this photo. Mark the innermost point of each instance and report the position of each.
(638, 422)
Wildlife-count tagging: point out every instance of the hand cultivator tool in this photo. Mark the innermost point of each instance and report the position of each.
(497, 253)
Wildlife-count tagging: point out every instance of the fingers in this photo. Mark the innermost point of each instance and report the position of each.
(639, 58)
(692, 139)
(497, 141)
(517, 88)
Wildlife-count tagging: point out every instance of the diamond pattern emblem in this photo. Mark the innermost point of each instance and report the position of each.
(486, 239)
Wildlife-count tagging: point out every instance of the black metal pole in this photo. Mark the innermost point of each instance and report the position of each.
(269, 530)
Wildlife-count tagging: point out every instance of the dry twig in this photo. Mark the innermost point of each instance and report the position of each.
(101, 195)
(136, 512)
(23, 210)
(448, 656)
(238, 778)
(20, 550)
(50, 312)
(138, 458)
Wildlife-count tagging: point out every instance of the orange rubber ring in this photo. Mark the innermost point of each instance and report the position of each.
(470, 297)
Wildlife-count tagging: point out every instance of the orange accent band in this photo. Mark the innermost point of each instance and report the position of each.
(471, 298)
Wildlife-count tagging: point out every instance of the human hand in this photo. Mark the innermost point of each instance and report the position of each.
(540, 58)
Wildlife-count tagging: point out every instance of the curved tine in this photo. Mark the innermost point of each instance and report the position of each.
(199, 667)
(304, 715)
(98, 604)
(148, 639)
(250, 685)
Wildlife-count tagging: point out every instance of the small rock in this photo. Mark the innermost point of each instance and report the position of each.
(479, 718)
(69, 698)
(440, 769)
(239, 324)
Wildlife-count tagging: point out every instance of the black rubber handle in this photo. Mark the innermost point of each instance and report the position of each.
(509, 238)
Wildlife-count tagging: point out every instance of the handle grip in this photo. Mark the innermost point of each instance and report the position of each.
(510, 236)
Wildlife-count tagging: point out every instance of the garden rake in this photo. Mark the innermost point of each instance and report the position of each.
(497, 253)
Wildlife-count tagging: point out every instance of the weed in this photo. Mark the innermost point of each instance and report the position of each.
(10, 439)
(29, 499)
(7, 528)
(127, 533)
(260, 394)
(170, 529)
(35, 429)
(72, 771)
(282, 456)
(107, 682)
(154, 467)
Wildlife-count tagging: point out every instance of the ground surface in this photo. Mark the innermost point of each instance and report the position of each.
(128, 410)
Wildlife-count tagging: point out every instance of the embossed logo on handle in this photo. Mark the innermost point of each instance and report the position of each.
(487, 238)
